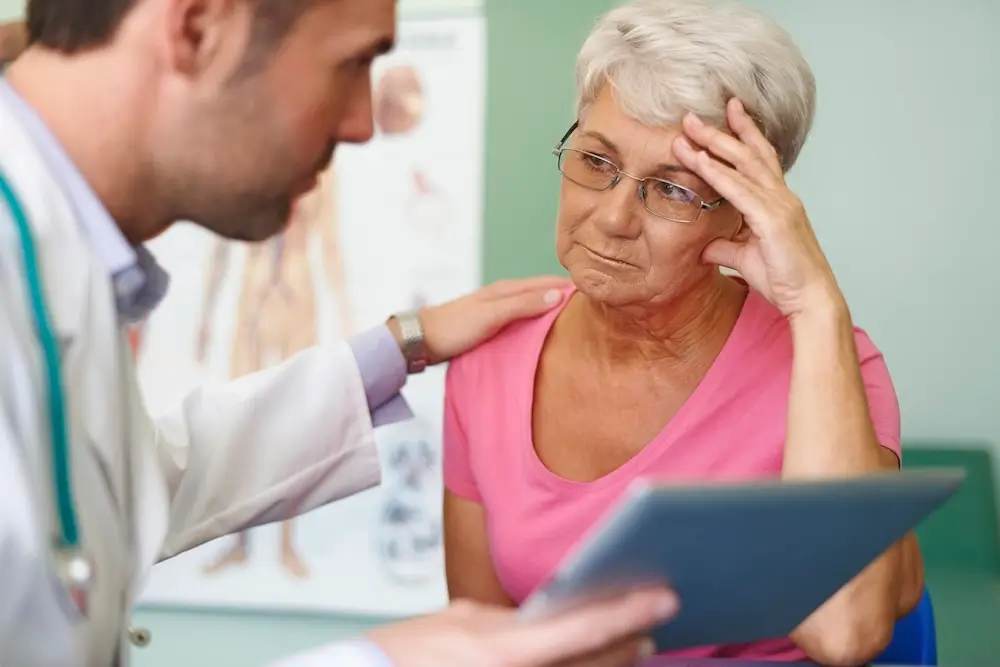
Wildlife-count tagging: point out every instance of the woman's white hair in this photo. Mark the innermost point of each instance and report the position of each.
(663, 58)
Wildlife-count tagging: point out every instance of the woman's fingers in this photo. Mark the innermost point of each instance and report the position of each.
(729, 149)
(725, 180)
(723, 252)
(750, 134)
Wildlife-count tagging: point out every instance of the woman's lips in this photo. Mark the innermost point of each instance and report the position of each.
(604, 259)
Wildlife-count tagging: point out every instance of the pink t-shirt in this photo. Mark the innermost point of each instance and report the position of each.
(731, 428)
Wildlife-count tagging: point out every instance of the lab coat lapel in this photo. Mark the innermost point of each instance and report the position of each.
(79, 298)
(149, 503)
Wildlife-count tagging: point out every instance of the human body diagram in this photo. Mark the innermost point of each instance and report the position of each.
(277, 314)
(408, 538)
(399, 108)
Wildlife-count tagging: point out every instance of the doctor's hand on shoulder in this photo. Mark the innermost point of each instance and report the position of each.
(456, 327)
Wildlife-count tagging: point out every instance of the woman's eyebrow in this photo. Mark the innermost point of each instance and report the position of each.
(610, 145)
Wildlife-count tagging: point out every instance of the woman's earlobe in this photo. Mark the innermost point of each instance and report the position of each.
(742, 232)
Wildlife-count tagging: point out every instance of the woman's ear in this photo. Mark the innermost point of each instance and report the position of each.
(742, 232)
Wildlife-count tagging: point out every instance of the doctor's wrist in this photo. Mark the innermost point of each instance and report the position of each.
(408, 330)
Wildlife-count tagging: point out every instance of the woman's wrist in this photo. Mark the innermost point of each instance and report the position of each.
(825, 312)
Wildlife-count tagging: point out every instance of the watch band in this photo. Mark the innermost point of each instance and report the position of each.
(412, 343)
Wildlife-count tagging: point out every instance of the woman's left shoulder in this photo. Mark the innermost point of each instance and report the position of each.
(767, 325)
(867, 350)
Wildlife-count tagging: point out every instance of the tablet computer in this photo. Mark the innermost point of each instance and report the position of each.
(749, 561)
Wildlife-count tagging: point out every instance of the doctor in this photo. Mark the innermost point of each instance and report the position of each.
(123, 116)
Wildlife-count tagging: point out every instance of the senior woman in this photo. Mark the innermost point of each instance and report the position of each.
(658, 363)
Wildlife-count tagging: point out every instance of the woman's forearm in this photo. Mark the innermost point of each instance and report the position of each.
(830, 431)
(831, 434)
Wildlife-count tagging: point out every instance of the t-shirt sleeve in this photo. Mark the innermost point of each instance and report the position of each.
(457, 467)
(883, 404)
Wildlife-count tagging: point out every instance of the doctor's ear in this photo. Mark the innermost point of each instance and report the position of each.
(203, 34)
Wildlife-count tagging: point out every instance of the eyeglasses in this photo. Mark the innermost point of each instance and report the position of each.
(663, 198)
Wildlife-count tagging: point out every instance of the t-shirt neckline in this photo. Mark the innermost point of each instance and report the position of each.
(674, 429)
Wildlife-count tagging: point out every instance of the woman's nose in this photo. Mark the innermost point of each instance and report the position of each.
(619, 212)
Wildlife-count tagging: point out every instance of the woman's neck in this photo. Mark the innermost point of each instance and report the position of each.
(678, 334)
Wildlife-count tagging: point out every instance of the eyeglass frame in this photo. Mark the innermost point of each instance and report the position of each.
(619, 172)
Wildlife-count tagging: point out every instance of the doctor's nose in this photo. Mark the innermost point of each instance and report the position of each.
(357, 126)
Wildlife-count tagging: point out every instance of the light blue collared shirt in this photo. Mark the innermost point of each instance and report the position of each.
(140, 283)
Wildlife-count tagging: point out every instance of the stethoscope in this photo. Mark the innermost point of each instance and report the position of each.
(74, 569)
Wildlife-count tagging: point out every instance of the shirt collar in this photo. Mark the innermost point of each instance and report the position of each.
(139, 282)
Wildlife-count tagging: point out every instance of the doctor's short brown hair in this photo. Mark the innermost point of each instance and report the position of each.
(72, 26)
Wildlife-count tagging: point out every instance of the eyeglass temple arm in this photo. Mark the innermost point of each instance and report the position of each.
(572, 128)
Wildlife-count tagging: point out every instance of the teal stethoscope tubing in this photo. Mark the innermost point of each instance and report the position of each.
(69, 532)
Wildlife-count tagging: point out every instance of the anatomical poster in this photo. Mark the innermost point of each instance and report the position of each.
(393, 224)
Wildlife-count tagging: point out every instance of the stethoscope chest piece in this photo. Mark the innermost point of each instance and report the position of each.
(75, 571)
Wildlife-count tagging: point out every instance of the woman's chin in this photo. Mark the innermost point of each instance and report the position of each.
(605, 288)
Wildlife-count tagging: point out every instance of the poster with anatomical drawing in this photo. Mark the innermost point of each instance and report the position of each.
(393, 224)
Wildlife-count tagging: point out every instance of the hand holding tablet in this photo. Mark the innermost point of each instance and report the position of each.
(749, 561)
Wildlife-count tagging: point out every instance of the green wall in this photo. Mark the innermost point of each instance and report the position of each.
(529, 107)
(899, 178)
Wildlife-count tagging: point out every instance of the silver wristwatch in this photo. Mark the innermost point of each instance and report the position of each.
(412, 343)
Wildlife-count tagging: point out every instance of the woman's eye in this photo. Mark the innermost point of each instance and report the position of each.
(596, 163)
(673, 192)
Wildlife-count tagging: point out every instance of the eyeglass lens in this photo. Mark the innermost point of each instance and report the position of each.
(661, 197)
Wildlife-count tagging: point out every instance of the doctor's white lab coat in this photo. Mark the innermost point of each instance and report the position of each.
(145, 489)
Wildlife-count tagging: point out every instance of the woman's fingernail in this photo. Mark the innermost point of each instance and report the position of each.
(694, 120)
(646, 649)
(552, 297)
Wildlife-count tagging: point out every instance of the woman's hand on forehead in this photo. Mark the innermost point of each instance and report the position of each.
(780, 257)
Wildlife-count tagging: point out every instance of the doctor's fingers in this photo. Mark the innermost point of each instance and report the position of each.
(628, 653)
(590, 630)
(511, 300)
(513, 287)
